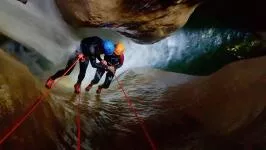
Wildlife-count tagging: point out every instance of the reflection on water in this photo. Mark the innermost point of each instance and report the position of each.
(107, 117)
(180, 112)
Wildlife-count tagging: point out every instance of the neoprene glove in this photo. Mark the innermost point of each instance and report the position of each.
(81, 57)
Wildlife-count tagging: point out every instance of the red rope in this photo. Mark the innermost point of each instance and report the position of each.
(21, 120)
(78, 124)
(31, 109)
(140, 120)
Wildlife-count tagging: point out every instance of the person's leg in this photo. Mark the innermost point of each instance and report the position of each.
(97, 77)
(108, 79)
(63, 71)
(82, 72)
(60, 73)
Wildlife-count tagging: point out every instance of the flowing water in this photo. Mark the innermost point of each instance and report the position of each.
(106, 120)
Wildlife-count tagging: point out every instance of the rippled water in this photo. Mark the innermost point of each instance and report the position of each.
(108, 115)
(106, 120)
(179, 111)
(42, 28)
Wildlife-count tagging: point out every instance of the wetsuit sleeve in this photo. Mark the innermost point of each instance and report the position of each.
(94, 64)
(99, 57)
(78, 50)
(121, 61)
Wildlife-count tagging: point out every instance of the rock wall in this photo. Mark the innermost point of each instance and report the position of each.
(141, 20)
(223, 111)
(18, 91)
(147, 21)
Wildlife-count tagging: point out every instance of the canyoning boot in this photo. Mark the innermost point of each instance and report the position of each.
(99, 90)
(88, 88)
(49, 83)
(77, 88)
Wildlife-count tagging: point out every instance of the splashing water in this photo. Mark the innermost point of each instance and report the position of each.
(155, 55)
(38, 25)
(108, 112)
(182, 46)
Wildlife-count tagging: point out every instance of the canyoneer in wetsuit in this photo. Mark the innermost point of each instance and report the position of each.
(114, 61)
(90, 49)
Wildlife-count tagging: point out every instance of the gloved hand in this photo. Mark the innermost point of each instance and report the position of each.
(111, 68)
(81, 57)
(104, 62)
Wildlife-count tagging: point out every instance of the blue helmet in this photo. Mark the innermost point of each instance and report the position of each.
(108, 47)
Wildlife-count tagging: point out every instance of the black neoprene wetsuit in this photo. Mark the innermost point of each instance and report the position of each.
(113, 60)
(91, 48)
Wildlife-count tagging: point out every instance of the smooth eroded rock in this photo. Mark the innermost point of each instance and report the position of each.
(19, 90)
(141, 20)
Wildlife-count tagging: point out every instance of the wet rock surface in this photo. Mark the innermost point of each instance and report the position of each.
(144, 21)
(18, 91)
(148, 21)
(225, 110)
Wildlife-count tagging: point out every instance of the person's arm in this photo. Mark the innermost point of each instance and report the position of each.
(96, 55)
(102, 61)
(94, 64)
(78, 54)
(121, 61)
(78, 50)
(99, 58)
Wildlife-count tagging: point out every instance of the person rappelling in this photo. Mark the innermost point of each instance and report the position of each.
(114, 62)
(89, 50)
